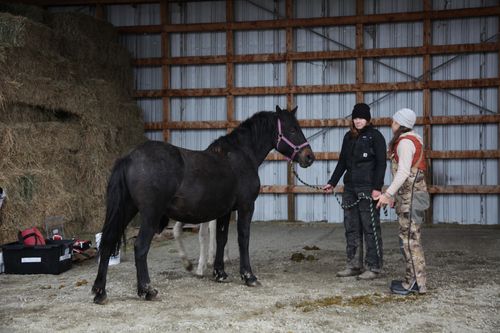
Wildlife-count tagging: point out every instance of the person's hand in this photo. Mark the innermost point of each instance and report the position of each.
(328, 188)
(384, 200)
(376, 194)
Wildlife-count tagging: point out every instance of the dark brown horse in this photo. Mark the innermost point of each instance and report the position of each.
(162, 181)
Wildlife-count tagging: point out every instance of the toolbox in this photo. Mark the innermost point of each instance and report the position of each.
(52, 258)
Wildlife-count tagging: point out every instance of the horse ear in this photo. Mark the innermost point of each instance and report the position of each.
(294, 110)
(278, 109)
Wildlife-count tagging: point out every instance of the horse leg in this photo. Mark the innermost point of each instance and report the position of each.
(244, 219)
(222, 230)
(180, 246)
(203, 240)
(212, 226)
(141, 249)
(105, 251)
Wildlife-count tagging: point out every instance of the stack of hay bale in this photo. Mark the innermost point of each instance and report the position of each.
(66, 114)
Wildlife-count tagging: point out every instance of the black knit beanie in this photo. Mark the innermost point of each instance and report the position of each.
(361, 110)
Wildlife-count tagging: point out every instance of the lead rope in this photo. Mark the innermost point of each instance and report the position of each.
(361, 196)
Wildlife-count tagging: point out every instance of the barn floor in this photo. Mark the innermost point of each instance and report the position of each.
(296, 296)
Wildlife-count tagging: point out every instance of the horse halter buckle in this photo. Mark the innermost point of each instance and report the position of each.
(295, 148)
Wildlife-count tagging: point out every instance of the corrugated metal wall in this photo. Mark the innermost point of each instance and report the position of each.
(447, 208)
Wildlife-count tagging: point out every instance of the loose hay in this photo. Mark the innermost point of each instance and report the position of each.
(66, 114)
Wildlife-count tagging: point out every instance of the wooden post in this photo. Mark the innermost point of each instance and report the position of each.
(427, 102)
(165, 67)
(289, 104)
(100, 12)
(229, 63)
(359, 46)
(498, 128)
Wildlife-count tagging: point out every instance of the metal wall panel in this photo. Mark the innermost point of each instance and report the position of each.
(185, 12)
(142, 46)
(260, 75)
(154, 135)
(152, 109)
(202, 76)
(465, 31)
(386, 103)
(395, 69)
(257, 10)
(195, 139)
(466, 209)
(198, 109)
(392, 6)
(465, 137)
(259, 41)
(325, 72)
(147, 78)
(393, 35)
(336, 38)
(269, 207)
(246, 106)
(87, 10)
(325, 106)
(456, 4)
(457, 102)
(465, 66)
(131, 15)
(323, 8)
(465, 172)
(197, 44)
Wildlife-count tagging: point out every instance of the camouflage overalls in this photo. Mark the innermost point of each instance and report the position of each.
(412, 196)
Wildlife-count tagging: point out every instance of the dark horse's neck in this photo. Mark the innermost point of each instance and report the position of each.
(255, 137)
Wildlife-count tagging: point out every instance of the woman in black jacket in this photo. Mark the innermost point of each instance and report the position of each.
(363, 159)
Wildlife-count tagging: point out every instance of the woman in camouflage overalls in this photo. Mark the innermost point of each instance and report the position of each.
(409, 191)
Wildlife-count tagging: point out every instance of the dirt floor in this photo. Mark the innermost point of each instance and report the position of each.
(296, 296)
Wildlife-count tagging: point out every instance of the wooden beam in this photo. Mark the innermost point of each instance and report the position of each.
(320, 21)
(319, 89)
(464, 154)
(322, 55)
(451, 189)
(333, 122)
(465, 189)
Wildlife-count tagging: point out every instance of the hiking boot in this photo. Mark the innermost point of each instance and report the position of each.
(394, 282)
(368, 275)
(397, 288)
(349, 272)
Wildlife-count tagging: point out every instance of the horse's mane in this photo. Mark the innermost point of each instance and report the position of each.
(249, 132)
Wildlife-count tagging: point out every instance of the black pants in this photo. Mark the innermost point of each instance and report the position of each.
(358, 226)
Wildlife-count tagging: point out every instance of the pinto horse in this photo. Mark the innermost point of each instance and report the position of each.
(162, 181)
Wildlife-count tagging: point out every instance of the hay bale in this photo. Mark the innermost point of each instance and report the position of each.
(66, 114)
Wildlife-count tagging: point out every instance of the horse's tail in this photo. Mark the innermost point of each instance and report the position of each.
(118, 201)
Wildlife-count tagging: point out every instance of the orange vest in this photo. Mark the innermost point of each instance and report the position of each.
(418, 159)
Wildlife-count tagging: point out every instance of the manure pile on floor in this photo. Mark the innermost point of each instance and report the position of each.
(66, 114)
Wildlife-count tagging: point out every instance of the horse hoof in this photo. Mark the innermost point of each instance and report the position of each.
(151, 294)
(250, 280)
(254, 283)
(100, 296)
(220, 276)
(188, 265)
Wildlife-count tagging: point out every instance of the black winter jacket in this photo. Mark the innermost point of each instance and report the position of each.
(364, 158)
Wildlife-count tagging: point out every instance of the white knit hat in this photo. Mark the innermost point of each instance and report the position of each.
(405, 117)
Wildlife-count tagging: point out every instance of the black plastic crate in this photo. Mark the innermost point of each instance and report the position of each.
(52, 258)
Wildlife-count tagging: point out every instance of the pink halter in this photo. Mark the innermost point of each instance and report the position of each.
(295, 148)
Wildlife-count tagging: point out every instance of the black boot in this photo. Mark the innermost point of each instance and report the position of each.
(397, 288)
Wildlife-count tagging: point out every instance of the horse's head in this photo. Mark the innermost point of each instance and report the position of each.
(291, 141)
